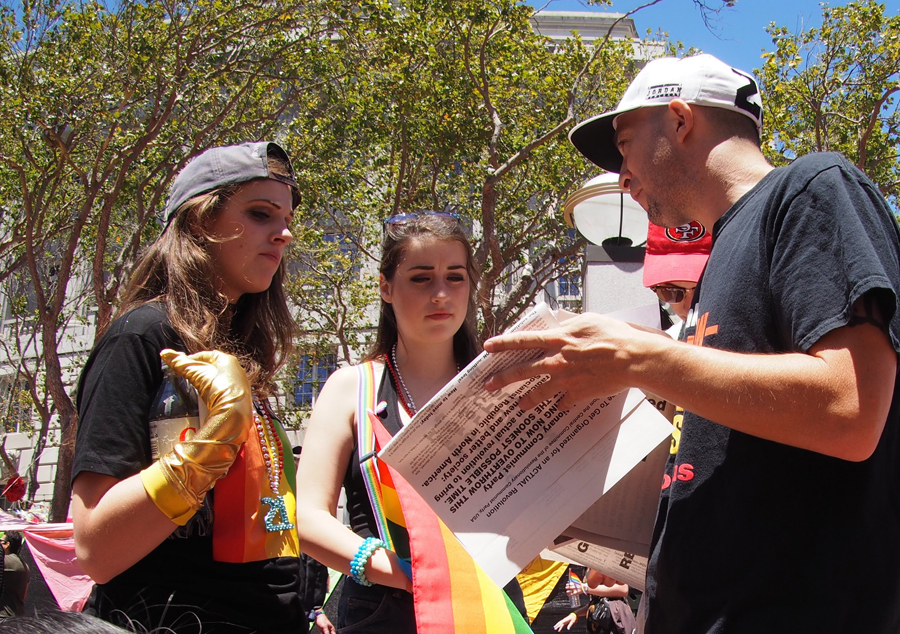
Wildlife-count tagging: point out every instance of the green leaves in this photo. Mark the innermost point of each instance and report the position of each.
(835, 88)
(100, 107)
(455, 104)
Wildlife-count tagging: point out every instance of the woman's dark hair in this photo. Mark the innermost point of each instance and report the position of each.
(55, 622)
(177, 271)
(397, 237)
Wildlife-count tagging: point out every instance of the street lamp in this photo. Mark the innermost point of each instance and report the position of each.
(616, 228)
(605, 214)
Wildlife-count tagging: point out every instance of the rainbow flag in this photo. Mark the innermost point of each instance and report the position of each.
(573, 578)
(452, 594)
(240, 533)
(377, 476)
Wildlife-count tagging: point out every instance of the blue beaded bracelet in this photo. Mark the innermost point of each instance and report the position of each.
(358, 563)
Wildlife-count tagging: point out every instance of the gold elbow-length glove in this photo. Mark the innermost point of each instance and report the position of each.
(180, 479)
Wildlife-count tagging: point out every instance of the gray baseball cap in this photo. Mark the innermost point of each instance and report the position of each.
(228, 165)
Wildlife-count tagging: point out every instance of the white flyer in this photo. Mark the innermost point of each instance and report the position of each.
(507, 482)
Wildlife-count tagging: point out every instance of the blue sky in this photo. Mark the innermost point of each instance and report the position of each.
(739, 35)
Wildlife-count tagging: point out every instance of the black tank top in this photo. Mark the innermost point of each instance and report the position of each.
(362, 519)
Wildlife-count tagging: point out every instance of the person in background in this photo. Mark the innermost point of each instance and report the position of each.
(673, 263)
(787, 371)
(145, 464)
(598, 586)
(16, 576)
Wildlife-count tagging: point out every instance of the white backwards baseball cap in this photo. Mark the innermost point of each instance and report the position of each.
(701, 79)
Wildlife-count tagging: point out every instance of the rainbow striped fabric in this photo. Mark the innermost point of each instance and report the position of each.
(240, 533)
(452, 593)
(377, 475)
(573, 578)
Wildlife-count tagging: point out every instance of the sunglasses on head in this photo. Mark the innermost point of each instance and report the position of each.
(399, 219)
(671, 294)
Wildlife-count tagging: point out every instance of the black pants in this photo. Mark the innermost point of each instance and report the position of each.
(375, 610)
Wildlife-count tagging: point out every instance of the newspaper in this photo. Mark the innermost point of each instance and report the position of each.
(623, 518)
(507, 482)
(613, 534)
(623, 566)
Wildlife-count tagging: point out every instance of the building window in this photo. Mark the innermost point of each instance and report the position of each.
(312, 372)
(569, 285)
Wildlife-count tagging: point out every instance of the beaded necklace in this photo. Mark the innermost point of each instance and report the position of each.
(406, 399)
(273, 456)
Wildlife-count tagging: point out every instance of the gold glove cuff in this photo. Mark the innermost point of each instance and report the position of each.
(166, 496)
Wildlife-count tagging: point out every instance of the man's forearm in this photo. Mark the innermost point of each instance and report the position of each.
(833, 400)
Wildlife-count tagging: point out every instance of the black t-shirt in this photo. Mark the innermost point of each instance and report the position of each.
(177, 585)
(755, 536)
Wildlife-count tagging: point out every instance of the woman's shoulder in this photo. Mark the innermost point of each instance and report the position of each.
(344, 382)
(348, 376)
(343, 377)
(140, 319)
(149, 323)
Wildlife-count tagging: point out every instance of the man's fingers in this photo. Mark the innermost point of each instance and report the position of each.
(514, 374)
(570, 401)
(540, 368)
(518, 341)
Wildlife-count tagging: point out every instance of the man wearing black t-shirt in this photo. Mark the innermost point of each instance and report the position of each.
(779, 495)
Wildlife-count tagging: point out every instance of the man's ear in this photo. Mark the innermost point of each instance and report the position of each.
(683, 116)
(384, 287)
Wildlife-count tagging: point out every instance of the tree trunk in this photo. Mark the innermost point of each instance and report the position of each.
(62, 485)
(62, 489)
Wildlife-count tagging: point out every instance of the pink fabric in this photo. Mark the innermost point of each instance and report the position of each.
(53, 549)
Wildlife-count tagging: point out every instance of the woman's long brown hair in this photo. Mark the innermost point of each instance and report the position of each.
(177, 271)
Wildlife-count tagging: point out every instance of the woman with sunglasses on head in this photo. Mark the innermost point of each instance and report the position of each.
(166, 550)
(425, 335)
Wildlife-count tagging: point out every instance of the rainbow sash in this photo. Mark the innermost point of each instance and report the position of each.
(239, 533)
(452, 594)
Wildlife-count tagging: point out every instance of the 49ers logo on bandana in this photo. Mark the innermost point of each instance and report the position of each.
(691, 232)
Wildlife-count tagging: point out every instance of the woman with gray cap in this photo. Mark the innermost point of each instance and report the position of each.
(166, 549)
